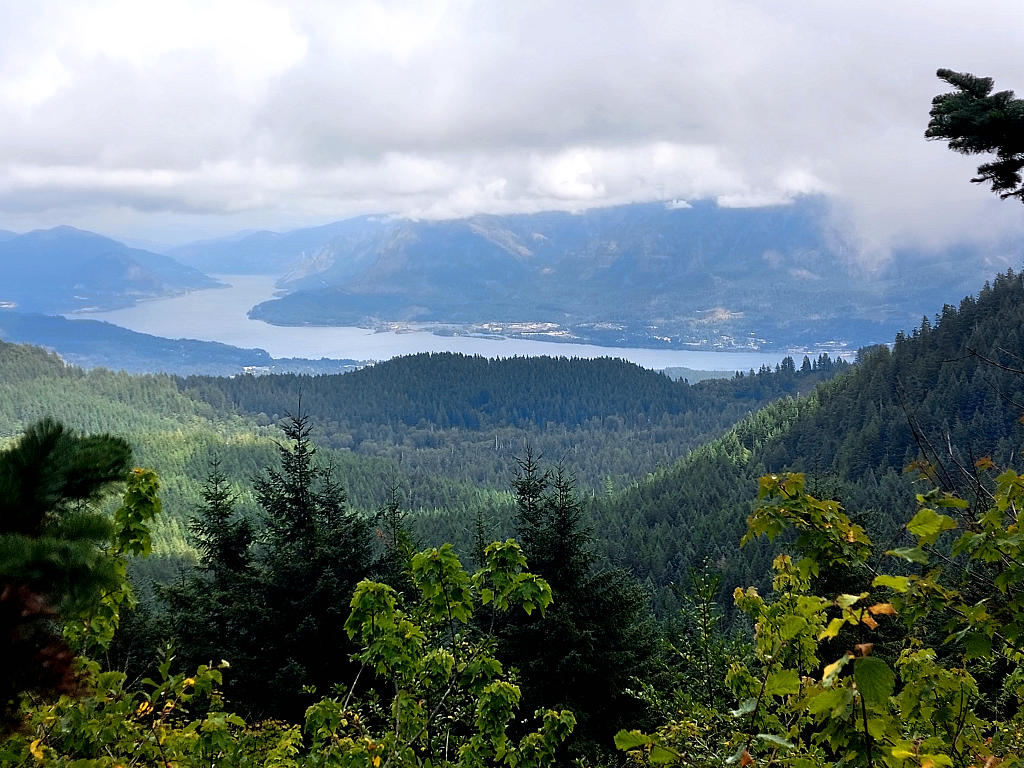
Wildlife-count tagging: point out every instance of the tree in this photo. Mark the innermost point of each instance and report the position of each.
(598, 633)
(221, 536)
(976, 121)
(315, 550)
(62, 558)
(447, 702)
(211, 610)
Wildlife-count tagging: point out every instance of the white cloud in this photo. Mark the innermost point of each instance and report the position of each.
(191, 118)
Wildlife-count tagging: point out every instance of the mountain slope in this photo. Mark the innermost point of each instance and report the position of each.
(65, 269)
(276, 253)
(853, 436)
(92, 343)
(645, 275)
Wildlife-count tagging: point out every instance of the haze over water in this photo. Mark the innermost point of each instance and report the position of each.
(220, 314)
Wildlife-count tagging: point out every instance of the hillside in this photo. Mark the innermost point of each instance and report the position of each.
(92, 344)
(66, 269)
(852, 437)
(636, 275)
(468, 418)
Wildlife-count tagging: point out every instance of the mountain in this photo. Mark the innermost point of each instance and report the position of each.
(7, 235)
(92, 344)
(934, 395)
(276, 253)
(66, 269)
(634, 275)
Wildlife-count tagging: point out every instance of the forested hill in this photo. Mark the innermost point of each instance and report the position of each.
(853, 437)
(469, 417)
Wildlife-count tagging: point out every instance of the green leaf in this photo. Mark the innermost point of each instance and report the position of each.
(874, 679)
(978, 645)
(776, 740)
(831, 702)
(927, 524)
(661, 756)
(831, 672)
(832, 629)
(792, 626)
(626, 740)
(847, 601)
(895, 583)
(913, 554)
(782, 682)
(745, 708)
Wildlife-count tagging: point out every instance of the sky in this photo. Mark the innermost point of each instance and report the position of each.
(167, 122)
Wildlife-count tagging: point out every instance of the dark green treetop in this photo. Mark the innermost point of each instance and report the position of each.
(976, 121)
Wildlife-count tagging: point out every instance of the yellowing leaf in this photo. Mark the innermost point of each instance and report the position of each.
(36, 750)
(830, 672)
(882, 609)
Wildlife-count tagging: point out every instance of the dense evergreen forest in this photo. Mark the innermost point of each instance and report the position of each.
(467, 418)
(949, 392)
(383, 430)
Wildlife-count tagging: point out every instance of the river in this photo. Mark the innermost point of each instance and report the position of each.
(220, 314)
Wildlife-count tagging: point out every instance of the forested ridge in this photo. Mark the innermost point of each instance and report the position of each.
(469, 417)
(390, 427)
(952, 384)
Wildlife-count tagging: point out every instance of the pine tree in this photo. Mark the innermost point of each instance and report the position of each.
(598, 631)
(314, 553)
(54, 561)
(976, 121)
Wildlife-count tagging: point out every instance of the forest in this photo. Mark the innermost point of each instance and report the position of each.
(444, 560)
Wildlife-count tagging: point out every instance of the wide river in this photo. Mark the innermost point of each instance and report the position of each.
(219, 314)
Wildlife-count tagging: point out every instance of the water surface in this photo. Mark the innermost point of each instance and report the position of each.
(220, 314)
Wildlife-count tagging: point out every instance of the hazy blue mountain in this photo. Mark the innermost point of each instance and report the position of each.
(92, 344)
(65, 269)
(6, 234)
(274, 253)
(645, 274)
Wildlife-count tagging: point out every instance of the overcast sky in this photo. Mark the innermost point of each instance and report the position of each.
(173, 121)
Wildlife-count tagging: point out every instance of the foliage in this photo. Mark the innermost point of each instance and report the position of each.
(451, 704)
(976, 121)
(276, 610)
(906, 699)
(62, 559)
(598, 634)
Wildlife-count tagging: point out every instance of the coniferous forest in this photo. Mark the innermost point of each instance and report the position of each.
(453, 561)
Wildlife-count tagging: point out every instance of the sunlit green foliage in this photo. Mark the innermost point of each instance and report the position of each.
(895, 699)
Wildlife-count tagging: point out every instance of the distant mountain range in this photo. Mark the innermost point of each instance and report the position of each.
(648, 275)
(66, 269)
(638, 275)
(96, 344)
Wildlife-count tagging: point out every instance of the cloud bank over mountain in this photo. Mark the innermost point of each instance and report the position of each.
(178, 120)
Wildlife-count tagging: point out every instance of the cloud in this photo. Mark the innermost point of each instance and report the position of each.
(173, 120)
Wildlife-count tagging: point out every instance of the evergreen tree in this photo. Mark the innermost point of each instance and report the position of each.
(56, 558)
(211, 611)
(314, 553)
(596, 634)
(976, 121)
(222, 538)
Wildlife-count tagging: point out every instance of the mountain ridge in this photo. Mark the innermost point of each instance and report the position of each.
(65, 269)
